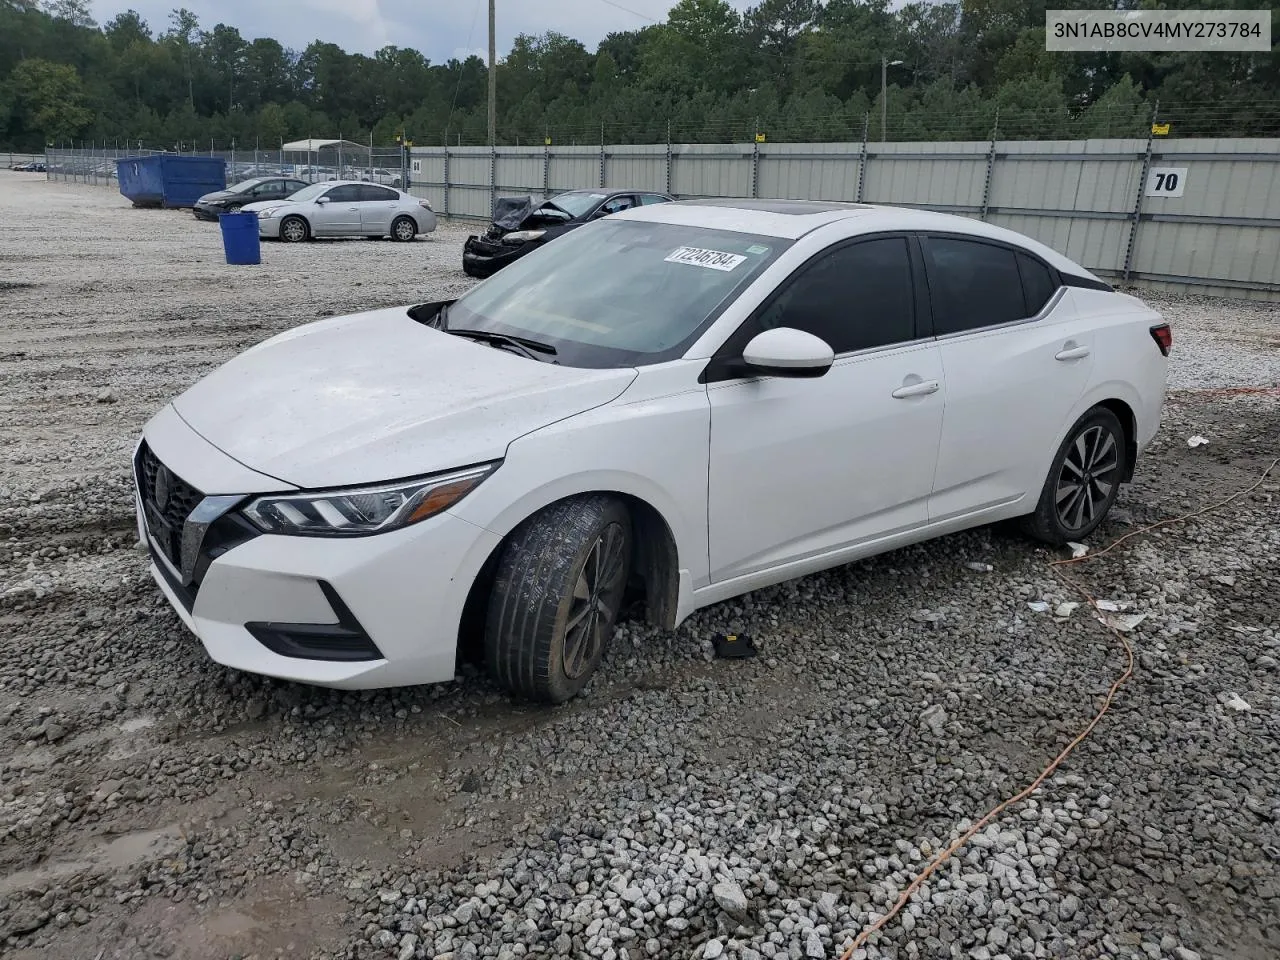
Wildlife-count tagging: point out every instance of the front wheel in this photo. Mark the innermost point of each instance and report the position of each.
(404, 229)
(294, 230)
(1083, 482)
(559, 585)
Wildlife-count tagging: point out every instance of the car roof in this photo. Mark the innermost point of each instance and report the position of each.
(792, 219)
(610, 191)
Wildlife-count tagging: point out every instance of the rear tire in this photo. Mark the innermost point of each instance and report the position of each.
(294, 230)
(1083, 482)
(559, 585)
(403, 229)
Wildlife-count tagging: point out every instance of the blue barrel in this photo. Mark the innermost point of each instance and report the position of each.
(240, 237)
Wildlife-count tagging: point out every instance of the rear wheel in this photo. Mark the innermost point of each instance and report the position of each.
(403, 229)
(294, 230)
(559, 585)
(1083, 482)
(234, 208)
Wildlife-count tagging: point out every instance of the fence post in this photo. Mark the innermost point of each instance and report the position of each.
(601, 153)
(493, 177)
(1135, 217)
(991, 163)
(546, 165)
(862, 156)
(755, 161)
(668, 191)
(446, 174)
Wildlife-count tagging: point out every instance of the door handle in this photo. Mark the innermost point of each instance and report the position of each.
(921, 389)
(1071, 353)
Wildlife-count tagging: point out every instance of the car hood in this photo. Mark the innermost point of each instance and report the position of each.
(261, 205)
(217, 195)
(377, 396)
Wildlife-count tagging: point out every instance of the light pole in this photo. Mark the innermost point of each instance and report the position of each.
(493, 78)
(885, 64)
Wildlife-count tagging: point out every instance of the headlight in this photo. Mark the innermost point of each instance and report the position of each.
(523, 236)
(269, 212)
(361, 511)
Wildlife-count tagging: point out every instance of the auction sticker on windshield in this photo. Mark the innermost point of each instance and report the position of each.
(712, 259)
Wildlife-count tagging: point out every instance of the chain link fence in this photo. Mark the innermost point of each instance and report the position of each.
(95, 163)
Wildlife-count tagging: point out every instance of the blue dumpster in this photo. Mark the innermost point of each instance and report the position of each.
(240, 237)
(169, 179)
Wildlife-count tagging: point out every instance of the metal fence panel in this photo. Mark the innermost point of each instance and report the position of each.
(572, 168)
(519, 170)
(800, 171)
(642, 167)
(942, 175)
(711, 170)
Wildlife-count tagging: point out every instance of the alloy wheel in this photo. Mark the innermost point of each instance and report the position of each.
(596, 596)
(404, 230)
(294, 231)
(1089, 474)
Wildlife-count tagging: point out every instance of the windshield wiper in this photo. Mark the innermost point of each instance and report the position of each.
(523, 345)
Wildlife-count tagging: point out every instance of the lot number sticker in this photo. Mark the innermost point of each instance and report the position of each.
(417, 166)
(711, 259)
(1166, 181)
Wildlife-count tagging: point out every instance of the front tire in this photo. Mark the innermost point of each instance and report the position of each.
(294, 230)
(403, 229)
(1083, 482)
(559, 585)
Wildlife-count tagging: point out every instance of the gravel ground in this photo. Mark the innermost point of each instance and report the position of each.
(155, 804)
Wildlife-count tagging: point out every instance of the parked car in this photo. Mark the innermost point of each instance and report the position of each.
(255, 190)
(673, 406)
(344, 209)
(521, 225)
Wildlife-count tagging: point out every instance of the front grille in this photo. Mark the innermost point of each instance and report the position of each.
(167, 501)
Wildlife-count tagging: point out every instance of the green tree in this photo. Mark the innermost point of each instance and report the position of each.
(49, 100)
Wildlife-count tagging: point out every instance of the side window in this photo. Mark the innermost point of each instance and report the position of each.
(348, 193)
(1038, 284)
(855, 297)
(370, 192)
(271, 188)
(618, 204)
(649, 198)
(293, 186)
(972, 284)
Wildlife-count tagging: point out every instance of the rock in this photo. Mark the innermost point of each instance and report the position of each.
(106, 395)
(934, 717)
(1182, 953)
(53, 732)
(408, 944)
(730, 898)
(713, 949)
(813, 946)
(464, 912)
(1235, 704)
(1069, 906)
(827, 905)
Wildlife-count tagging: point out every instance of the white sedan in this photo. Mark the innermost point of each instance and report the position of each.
(673, 405)
(346, 208)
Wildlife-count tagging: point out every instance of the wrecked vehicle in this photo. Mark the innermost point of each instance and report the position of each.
(521, 224)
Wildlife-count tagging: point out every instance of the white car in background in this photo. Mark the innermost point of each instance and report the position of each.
(346, 208)
(674, 405)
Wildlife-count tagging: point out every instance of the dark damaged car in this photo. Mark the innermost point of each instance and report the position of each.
(521, 224)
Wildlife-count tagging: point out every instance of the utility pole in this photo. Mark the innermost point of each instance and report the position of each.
(885, 64)
(493, 75)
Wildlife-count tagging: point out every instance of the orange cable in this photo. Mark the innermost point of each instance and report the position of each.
(969, 834)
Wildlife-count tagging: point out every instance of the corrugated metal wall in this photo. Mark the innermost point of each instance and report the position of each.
(1083, 197)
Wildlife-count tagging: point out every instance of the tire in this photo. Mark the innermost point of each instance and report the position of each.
(294, 230)
(233, 209)
(403, 229)
(1095, 448)
(560, 582)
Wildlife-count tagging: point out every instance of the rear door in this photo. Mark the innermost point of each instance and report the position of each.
(1016, 361)
(341, 215)
(378, 207)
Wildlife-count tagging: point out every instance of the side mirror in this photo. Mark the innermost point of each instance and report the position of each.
(788, 352)
(322, 199)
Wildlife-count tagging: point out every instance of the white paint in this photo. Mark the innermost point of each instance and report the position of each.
(1166, 182)
(759, 478)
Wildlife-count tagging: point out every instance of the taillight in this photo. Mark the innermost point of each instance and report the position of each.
(1163, 336)
(424, 204)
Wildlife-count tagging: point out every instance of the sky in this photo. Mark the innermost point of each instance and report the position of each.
(440, 29)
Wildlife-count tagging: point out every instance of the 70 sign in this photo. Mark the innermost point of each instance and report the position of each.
(1166, 181)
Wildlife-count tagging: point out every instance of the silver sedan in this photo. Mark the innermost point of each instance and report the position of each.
(346, 208)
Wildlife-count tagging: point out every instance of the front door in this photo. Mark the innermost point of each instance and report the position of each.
(341, 215)
(1016, 364)
(800, 468)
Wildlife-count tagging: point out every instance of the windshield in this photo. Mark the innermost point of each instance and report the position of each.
(578, 202)
(311, 192)
(618, 293)
(244, 185)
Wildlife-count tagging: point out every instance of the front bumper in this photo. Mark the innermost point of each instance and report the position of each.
(483, 258)
(358, 613)
(206, 211)
(269, 228)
